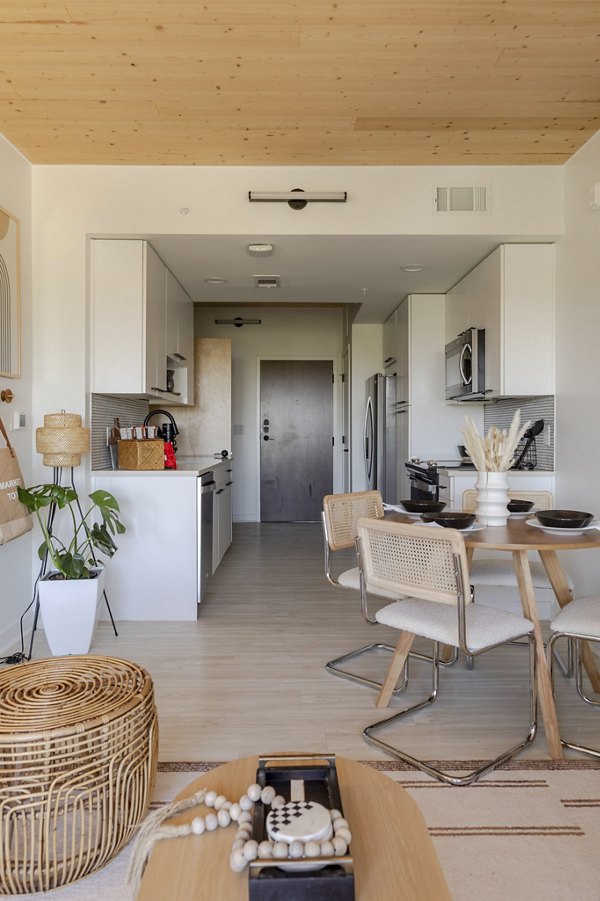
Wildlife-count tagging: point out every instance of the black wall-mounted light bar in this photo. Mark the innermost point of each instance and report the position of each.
(297, 198)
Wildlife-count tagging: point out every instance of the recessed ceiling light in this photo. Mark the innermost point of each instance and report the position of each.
(260, 248)
(215, 281)
(413, 267)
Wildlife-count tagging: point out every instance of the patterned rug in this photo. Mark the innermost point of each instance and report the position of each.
(530, 830)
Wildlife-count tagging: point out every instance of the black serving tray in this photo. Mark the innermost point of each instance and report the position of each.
(267, 881)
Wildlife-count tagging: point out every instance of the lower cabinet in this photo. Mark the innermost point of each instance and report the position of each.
(222, 512)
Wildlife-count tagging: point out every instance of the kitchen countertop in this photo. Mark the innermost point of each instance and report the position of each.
(467, 471)
(190, 467)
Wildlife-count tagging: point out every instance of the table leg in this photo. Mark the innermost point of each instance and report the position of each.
(544, 685)
(395, 668)
(563, 596)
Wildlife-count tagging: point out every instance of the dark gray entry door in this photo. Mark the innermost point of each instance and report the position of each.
(296, 439)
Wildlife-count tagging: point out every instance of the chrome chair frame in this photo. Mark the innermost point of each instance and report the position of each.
(369, 733)
(574, 640)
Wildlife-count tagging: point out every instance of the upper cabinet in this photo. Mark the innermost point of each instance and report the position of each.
(142, 328)
(510, 295)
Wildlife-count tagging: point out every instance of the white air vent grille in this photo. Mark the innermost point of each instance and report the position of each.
(266, 281)
(461, 200)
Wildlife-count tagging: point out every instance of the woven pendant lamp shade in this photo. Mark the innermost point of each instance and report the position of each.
(62, 439)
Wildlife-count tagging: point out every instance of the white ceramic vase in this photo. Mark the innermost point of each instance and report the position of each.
(492, 498)
(69, 608)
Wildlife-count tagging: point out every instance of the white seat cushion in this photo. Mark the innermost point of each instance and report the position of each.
(500, 571)
(486, 626)
(351, 579)
(580, 617)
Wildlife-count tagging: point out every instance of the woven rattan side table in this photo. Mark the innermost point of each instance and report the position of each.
(78, 753)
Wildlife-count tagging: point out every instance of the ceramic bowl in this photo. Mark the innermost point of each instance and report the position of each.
(517, 506)
(423, 506)
(452, 519)
(564, 519)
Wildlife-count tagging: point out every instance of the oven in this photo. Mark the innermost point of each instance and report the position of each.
(424, 482)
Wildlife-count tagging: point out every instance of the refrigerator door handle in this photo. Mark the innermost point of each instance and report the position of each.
(368, 442)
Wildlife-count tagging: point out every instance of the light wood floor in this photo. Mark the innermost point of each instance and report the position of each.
(248, 677)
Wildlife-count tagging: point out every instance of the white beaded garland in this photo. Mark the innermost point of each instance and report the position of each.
(250, 850)
(265, 850)
(198, 826)
(267, 794)
(237, 861)
(312, 849)
(244, 848)
(254, 791)
(211, 821)
(339, 846)
(223, 817)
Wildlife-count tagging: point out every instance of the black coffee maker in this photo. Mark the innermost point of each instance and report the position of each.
(166, 430)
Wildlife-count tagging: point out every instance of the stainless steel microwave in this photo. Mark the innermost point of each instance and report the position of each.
(465, 366)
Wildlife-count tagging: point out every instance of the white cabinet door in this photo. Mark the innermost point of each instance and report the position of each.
(155, 382)
(389, 343)
(486, 288)
(222, 513)
(180, 339)
(403, 353)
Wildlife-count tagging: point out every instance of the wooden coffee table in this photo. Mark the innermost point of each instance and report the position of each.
(394, 858)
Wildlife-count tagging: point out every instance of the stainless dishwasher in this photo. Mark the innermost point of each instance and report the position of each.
(206, 491)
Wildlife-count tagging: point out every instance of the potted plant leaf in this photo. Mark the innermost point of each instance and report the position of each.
(70, 592)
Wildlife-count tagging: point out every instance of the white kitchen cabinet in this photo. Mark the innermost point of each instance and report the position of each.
(390, 350)
(128, 315)
(180, 338)
(222, 511)
(510, 294)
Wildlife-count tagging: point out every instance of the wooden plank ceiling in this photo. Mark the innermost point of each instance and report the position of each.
(299, 82)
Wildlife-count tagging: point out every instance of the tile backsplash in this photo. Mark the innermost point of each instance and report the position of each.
(501, 412)
(104, 408)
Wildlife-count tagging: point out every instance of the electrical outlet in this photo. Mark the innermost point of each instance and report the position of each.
(19, 421)
(549, 436)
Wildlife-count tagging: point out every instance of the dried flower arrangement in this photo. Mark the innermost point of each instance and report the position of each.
(495, 452)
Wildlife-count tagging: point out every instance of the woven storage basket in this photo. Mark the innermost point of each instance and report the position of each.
(148, 453)
(78, 753)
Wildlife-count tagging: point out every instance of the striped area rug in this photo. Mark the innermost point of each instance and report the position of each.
(530, 830)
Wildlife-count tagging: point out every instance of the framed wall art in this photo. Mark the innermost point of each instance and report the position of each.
(10, 300)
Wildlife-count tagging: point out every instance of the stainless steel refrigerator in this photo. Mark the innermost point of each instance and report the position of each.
(380, 435)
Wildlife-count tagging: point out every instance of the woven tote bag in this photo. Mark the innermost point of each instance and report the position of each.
(14, 518)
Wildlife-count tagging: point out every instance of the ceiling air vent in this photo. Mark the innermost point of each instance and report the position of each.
(461, 200)
(266, 281)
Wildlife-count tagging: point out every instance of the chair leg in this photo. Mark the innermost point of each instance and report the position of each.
(336, 667)
(370, 738)
(578, 664)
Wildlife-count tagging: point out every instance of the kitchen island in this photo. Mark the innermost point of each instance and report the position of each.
(156, 573)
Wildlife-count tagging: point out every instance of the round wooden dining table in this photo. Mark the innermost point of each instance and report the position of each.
(519, 538)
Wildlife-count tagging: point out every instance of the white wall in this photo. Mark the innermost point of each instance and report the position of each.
(74, 202)
(578, 356)
(16, 556)
(284, 334)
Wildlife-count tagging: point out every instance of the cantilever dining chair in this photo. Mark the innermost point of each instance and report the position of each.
(578, 621)
(428, 566)
(340, 515)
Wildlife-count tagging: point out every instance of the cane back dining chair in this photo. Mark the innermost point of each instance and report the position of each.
(340, 515)
(498, 571)
(578, 621)
(428, 566)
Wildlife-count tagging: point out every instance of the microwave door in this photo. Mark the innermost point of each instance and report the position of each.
(454, 382)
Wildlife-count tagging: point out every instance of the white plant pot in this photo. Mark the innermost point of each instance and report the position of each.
(69, 608)
(492, 498)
